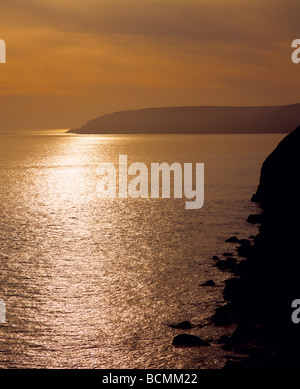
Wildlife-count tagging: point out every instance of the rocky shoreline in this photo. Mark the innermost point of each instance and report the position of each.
(265, 269)
(265, 280)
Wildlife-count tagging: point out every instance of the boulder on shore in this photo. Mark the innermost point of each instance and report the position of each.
(184, 325)
(186, 340)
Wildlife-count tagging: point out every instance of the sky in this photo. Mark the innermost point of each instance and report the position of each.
(69, 61)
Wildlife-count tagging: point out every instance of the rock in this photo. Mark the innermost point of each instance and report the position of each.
(232, 288)
(227, 264)
(233, 239)
(223, 339)
(254, 219)
(184, 325)
(245, 242)
(242, 268)
(215, 258)
(186, 340)
(246, 363)
(224, 315)
(243, 334)
(208, 283)
(227, 254)
(244, 250)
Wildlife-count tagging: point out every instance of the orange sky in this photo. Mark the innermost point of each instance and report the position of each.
(72, 60)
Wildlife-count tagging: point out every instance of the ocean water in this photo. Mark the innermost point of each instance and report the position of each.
(95, 283)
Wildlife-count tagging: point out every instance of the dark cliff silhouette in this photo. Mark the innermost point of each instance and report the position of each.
(196, 120)
(266, 280)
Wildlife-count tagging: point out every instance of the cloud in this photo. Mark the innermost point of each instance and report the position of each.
(117, 54)
(207, 21)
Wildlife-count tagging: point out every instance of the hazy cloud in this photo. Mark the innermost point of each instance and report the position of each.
(189, 19)
(100, 56)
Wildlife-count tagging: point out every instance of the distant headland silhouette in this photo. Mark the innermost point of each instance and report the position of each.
(196, 120)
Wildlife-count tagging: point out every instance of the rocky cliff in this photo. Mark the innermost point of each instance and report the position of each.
(266, 281)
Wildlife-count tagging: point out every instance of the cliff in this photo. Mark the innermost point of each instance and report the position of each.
(278, 178)
(266, 280)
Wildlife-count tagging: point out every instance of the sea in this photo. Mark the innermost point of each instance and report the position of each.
(97, 283)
